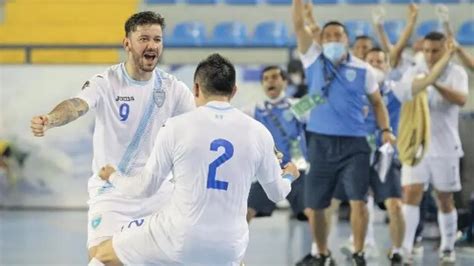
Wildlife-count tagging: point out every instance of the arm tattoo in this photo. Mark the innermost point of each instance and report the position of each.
(67, 111)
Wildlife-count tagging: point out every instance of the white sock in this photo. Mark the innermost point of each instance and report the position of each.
(448, 227)
(95, 262)
(411, 214)
(314, 249)
(396, 250)
(369, 236)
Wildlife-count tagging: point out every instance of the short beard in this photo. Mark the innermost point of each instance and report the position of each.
(137, 59)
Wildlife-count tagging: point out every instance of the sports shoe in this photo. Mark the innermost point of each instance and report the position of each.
(358, 259)
(395, 259)
(347, 249)
(308, 260)
(447, 257)
(324, 260)
(418, 248)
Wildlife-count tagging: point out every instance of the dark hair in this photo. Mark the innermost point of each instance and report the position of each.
(272, 67)
(377, 50)
(215, 75)
(363, 37)
(435, 36)
(334, 23)
(143, 18)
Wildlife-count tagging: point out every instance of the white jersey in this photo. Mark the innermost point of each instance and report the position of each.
(444, 116)
(129, 114)
(213, 152)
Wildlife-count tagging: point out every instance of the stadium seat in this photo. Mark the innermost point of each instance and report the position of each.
(394, 29)
(242, 2)
(358, 27)
(317, 2)
(403, 1)
(229, 33)
(428, 26)
(201, 2)
(156, 2)
(363, 1)
(191, 33)
(270, 33)
(279, 2)
(445, 1)
(465, 34)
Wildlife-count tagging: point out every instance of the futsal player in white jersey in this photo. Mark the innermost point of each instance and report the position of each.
(440, 166)
(214, 152)
(131, 100)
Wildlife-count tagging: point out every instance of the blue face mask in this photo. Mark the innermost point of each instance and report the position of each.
(334, 51)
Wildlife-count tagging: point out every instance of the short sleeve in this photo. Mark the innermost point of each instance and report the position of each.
(460, 82)
(185, 99)
(308, 58)
(371, 84)
(91, 92)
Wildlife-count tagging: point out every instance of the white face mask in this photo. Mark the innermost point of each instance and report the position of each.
(296, 78)
(379, 75)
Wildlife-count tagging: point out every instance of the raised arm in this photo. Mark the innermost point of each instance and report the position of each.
(303, 38)
(65, 112)
(466, 58)
(378, 15)
(312, 26)
(396, 51)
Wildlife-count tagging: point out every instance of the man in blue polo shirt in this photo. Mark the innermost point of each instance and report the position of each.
(337, 148)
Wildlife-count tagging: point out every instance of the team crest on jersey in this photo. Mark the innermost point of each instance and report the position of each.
(96, 221)
(351, 75)
(159, 96)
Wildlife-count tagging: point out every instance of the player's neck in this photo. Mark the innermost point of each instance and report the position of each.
(216, 99)
(135, 73)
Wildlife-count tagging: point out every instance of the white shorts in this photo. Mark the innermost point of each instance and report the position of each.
(442, 172)
(136, 245)
(108, 213)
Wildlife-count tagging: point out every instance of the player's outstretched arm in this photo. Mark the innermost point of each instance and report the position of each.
(65, 112)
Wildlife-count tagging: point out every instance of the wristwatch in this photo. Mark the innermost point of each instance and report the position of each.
(387, 129)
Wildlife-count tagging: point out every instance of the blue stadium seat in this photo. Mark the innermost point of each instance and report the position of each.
(317, 2)
(358, 27)
(270, 33)
(465, 34)
(394, 29)
(428, 26)
(229, 33)
(279, 2)
(403, 1)
(363, 1)
(445, 1)
(191, 33)
(241, 2)
(155, 2)
(201, 2)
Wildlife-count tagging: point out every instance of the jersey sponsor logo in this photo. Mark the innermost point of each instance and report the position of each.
(86, 84)
(351, 75)
(159, 96)
(95, 222)
(124, 99)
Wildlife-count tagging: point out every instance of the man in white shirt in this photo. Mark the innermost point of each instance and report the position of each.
(446, 94)
(132, 100)
(213, 152)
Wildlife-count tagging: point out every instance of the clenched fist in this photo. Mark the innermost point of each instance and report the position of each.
(39, 124)
(106, 172)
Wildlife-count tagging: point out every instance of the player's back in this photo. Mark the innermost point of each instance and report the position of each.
(217, 150)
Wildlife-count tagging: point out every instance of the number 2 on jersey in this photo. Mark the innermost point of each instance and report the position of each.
(212, 183)
(124, 110)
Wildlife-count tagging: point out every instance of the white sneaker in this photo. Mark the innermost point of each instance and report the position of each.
(447, 257)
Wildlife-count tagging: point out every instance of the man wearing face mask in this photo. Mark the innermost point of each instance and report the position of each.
(131, 100)
(337, 147)
(287, 131)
